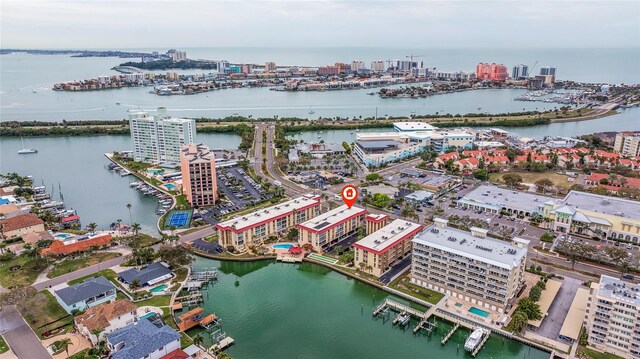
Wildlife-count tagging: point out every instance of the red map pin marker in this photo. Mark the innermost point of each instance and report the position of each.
(349, 194)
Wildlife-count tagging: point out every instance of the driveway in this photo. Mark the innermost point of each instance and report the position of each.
(397, 268)
(551, 325)
(22, 340)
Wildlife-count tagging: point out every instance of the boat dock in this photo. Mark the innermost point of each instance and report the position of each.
(190, 299)
(405, 313)
(484, 340)
(222, 344)
(193, 285)
(446, 337)
(205, 275)
(288, 259)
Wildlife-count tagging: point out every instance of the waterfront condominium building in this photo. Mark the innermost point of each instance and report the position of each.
(375, 221)
(590, 215)
(520, 72)
(377, 252)
(377, 66)
(627, 144)
(270, 66)
(159, 138)
(252, 229)
(331, 227)
(198, 167)
(357, 66)
(491, 72)
(485, 272)
(613, 317)
(548, 71)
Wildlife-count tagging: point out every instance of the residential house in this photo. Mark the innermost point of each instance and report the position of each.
(475, 153)
(17, 226)
(87, 294)
(95, 323)
(442, 160)
(78, 244)
(152, 274)
(496, 161)
(143, 340)
(467, 164)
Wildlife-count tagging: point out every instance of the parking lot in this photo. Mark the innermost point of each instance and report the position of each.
(240, 191)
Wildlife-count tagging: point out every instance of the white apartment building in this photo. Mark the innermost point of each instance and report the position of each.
(377, 66)
(159, 138)
(613, 317)
(627, 144)
(357, 66)
(486, 272)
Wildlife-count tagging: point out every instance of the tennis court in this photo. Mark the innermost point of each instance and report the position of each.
(178, 219)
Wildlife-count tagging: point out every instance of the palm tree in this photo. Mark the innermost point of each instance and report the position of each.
(130, 216)
(64, 344)
(197, 340)
(136, 228)
(135, 284)
(92, 227)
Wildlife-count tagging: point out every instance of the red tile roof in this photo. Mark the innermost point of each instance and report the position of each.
(20, 221)
(69, 219)
(58, 247)
(176, 354)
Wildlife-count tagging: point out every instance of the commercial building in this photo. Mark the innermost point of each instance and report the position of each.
(378, 251)
(419, 197)
(253, 228)
(589, 214)
(491, 72)
(442, 140)
(494, 199)
(613, 317)
(376, 149)
(328, 70)
(159, 138)
(198, 168)
(469, 266)
(413, 127)
(331, 227)
(437, 184)
(520, 72)
(627, 144)
(87, 294)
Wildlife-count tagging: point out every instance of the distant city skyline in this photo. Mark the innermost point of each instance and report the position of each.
(420, 24)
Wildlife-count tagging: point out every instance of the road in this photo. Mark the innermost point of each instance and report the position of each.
(80, 273)
(22, 340)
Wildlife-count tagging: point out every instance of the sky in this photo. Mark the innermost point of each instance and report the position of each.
(423, 24)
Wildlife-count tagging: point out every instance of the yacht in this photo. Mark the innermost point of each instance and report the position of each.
(25, 151)
(473, 340)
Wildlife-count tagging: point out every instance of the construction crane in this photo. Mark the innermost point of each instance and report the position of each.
(532, 67)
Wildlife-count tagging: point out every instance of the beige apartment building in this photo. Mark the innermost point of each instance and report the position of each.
(375, 221)
(627, 144)
(486, 272)
(331, 227)
(198, 167)
(378, 251)
(613, 317)
(252, 229)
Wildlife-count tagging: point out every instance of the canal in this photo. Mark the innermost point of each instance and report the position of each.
(276, 310)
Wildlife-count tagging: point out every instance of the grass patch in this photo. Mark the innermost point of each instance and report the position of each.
(185, 341)
(405, 286)
(142, 240)
(107, 273)
(71, 265)
(558, 180)
(84, 354)
(181, 275)
(3, 346)
(25, 275)
(156, 301)
(43, 308)
(593, 354)
(181, 202)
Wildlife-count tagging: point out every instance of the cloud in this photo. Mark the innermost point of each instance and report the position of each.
(409, 24)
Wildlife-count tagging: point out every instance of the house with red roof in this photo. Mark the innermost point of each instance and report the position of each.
(442, 159)
(498, 161)
(474, 153)
(569, 160)
(612, 182)
(470, 163)
(17, 226)
(627, 162)
(77, 244)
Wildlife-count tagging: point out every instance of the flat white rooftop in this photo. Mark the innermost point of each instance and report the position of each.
(249, 220)
(613, 206)
(332, 217)
(619, 290)
(497, 197)
(387, 236)
(488, 250)
(413, 126)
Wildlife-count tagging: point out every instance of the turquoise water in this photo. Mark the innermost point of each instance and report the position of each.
(63, 235)
(282, 246)
(156, 172)
(159, 288)
(478, 311)
(170, 186)
(148, 315)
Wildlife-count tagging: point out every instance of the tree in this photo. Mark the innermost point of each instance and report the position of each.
(64, 344)
(512, 179)
(198, 339)
(135, 284)
(620, 257)
(130, 216)
(136, 229)
(482, 175)
(373, 177)
(175, 256)
(543, 183)
(92, 227)
(518, 321)
(530, 308)
(408, 212)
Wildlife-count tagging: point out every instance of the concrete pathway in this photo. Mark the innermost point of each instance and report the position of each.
(22, 340)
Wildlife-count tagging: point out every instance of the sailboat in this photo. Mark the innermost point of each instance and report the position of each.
(311, 111)
(24, 150)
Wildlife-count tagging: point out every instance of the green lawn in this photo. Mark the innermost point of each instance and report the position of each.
(142, 240)
(25, 275)
(405, 286)
(531, 177)
(107, 273)
(70, 265)
(181, 275)
(3, 346)
(83, 355)
(156, 301)
(42, 308)
(592, 354)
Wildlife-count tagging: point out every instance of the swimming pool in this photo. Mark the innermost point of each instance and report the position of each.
(170, 186)
(160, 288)
(479, 312)
(62, 235)
(148, 315)
(282, 246)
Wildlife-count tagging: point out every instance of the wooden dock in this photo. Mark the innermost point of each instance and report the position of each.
(446, 337)
(222, 344)
(288, 259)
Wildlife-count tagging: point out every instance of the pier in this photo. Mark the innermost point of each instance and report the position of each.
(405, 310)
(446, 337)
(205, 275)
(484, 340)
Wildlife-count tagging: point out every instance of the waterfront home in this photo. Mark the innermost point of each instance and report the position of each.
(87, 294)
(331, 227)
(106, 318)
(143, 340)
(152, 274)
(17, 226)
(78, 244)
(377, 252)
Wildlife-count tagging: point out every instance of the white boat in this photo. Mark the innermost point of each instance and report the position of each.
(25, 151)
(474, 339)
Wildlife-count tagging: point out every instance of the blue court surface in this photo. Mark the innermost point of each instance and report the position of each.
(178, 219)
